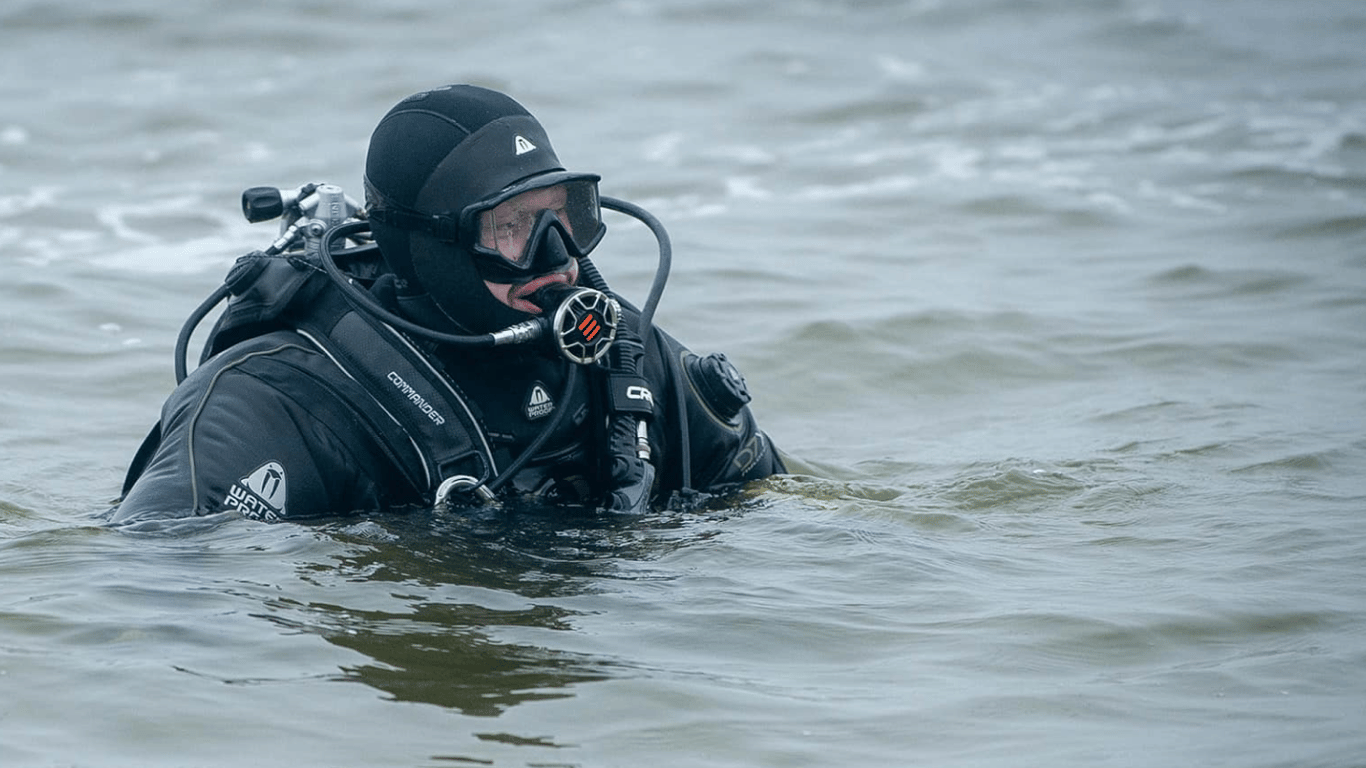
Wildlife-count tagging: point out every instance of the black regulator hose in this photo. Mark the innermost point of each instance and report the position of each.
(646, 323)
(361, 301)
(182, 342)
(570, 388)
(645, 328)
(631, 473)
(357, 298)
(666, 254)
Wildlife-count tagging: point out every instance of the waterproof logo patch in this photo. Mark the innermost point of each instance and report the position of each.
(523, 146)
(260, 495)
(538, 403)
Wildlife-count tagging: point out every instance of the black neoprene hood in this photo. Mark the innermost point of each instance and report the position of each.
(441, 150)
(435, 153)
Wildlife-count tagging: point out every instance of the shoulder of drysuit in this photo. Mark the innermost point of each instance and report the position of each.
(283, 365)
(257, 357)
(275, 401)
(725, 443)
(280, 366)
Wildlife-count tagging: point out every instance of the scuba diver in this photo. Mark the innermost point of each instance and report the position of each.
(450, 343)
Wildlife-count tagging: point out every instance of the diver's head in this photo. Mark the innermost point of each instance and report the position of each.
(470, 205)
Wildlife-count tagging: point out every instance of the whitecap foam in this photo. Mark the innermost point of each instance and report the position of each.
(14, 136)
(37, 197)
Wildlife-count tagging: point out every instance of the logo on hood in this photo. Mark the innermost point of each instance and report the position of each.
(523, 146)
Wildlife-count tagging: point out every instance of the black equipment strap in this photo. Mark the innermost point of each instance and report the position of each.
(403, 382)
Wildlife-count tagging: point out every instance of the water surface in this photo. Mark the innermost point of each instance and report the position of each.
(1058, 308)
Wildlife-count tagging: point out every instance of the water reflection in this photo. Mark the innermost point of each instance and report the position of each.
(439, 654)
(471, 611)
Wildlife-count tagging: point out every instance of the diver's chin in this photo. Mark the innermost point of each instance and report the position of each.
(515, 296)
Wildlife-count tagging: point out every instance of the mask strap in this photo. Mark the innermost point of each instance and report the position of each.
(443, 227)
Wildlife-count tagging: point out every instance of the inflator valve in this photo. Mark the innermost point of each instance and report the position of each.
(719, 383)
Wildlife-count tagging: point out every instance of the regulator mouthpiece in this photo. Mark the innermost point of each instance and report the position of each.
(583, 321)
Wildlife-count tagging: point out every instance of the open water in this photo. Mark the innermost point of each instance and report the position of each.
(1058, 306)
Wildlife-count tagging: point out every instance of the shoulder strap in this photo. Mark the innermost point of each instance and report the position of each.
(403, 382)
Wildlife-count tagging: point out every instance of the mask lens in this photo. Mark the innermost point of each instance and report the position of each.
(505, 228)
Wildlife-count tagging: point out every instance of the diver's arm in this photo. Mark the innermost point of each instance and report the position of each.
(725, 450)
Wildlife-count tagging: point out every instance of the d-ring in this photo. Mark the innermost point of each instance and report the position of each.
(462, 484)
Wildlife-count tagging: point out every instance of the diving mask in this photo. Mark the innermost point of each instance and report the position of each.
(513, 235)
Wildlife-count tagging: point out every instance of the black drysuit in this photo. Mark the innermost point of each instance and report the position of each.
(277, 425)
